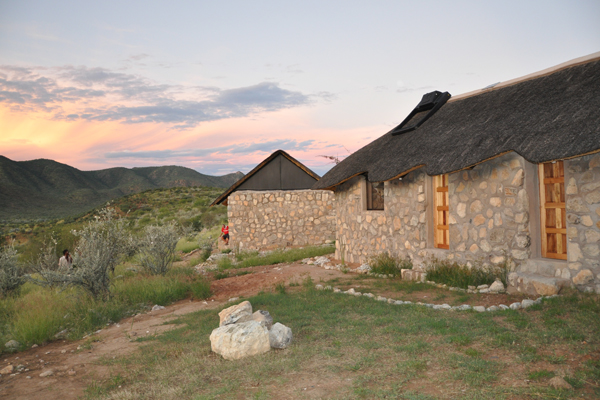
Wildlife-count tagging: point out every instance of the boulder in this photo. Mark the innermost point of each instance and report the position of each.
(527, 303)
(12, 345)
(239, 340)
(280, 336)
(515, 306)
(7, 370)
(497, 286)
(479, 308)
(264, 318)
(235, 314)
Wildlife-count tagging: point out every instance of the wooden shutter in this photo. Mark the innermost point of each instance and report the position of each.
(441, 212)
(552, 210)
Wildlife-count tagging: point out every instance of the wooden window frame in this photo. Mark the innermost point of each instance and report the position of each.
(553, 212)
(441, 212)
(369, 196)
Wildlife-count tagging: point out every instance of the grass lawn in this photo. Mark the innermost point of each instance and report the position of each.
(349, 347)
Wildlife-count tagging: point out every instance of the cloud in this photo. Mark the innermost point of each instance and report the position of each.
(100, 94)
(237, 149)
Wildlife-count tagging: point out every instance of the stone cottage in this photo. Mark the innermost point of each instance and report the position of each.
(273, 206)
(509, 173)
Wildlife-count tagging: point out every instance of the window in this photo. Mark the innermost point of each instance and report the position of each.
(552, 210)
(374, 196)
(441, 210)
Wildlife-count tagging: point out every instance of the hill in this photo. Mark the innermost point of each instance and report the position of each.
(41, 189)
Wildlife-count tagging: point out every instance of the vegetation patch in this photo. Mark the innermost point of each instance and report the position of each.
(385, 263)
(462, 276)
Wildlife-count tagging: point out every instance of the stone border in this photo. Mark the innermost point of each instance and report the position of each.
(465, 307)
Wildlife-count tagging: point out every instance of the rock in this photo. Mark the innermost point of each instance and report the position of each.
(503, 306)
(61, 334)
(497, 287)
(369, 295)
(46, 373)
(239, 340)
(12, 345)
(280, 336)
(319, 287)
(479, 308)
(351, 291)
(583, 277)
(381, 298)
(471, 287)
(157, 307)
(391, 301)
(71, 372)
(7, 370)
(233, 299)
(483, 287)
(264, 318)
(515, 306)
(336, 290)
(484, 291)
(559, 383)
(363, 269)
(398, 302)
(236, 314)
(493, 308)
(527, 303)
(464, 307)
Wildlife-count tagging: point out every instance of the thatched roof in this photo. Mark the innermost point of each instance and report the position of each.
(550, 116)
(289, 186)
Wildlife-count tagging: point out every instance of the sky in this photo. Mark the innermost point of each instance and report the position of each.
(218, 86)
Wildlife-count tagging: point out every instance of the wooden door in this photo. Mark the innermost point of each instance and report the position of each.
(552, 210)
(441, 212)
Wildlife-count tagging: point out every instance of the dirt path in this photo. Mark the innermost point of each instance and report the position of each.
(74, 370)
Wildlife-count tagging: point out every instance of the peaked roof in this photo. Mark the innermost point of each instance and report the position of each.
(233, 187)
(551, 115)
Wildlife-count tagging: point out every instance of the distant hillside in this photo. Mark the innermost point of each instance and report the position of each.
(49, 189)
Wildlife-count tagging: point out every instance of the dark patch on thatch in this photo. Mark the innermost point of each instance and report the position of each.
(547, 118)
(302, 175)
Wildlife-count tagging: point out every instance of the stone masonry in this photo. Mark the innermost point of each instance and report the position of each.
(273, 219)
(494, 218)
(582, 185)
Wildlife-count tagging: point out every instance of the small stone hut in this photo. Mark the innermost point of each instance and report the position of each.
(273, 206)
(506, 174)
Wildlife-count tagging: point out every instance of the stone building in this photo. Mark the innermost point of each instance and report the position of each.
(506, 174)
(273, 206)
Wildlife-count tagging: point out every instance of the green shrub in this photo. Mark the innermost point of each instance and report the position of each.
(224, 264)
(11, 273)
(157, 248)
(384, 263)
(101, 245)
(457, 275)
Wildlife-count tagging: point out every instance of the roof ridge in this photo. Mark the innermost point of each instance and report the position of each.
(538, 74)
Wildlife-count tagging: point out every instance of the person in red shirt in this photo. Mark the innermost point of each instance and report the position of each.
(225, 234)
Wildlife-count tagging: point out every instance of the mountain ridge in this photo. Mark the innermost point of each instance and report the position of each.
(43, 188)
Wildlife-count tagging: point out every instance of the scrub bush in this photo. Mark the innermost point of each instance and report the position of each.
(11, 273)
(157, 248)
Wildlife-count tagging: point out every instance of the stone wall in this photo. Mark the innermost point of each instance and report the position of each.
(582, 184)
(276, 218)
(400, 228)
(494, 218)
(489, 216)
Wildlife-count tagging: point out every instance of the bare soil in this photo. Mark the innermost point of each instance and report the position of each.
(74, 370)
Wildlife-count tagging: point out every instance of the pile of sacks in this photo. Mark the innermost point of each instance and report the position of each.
(241, 333)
